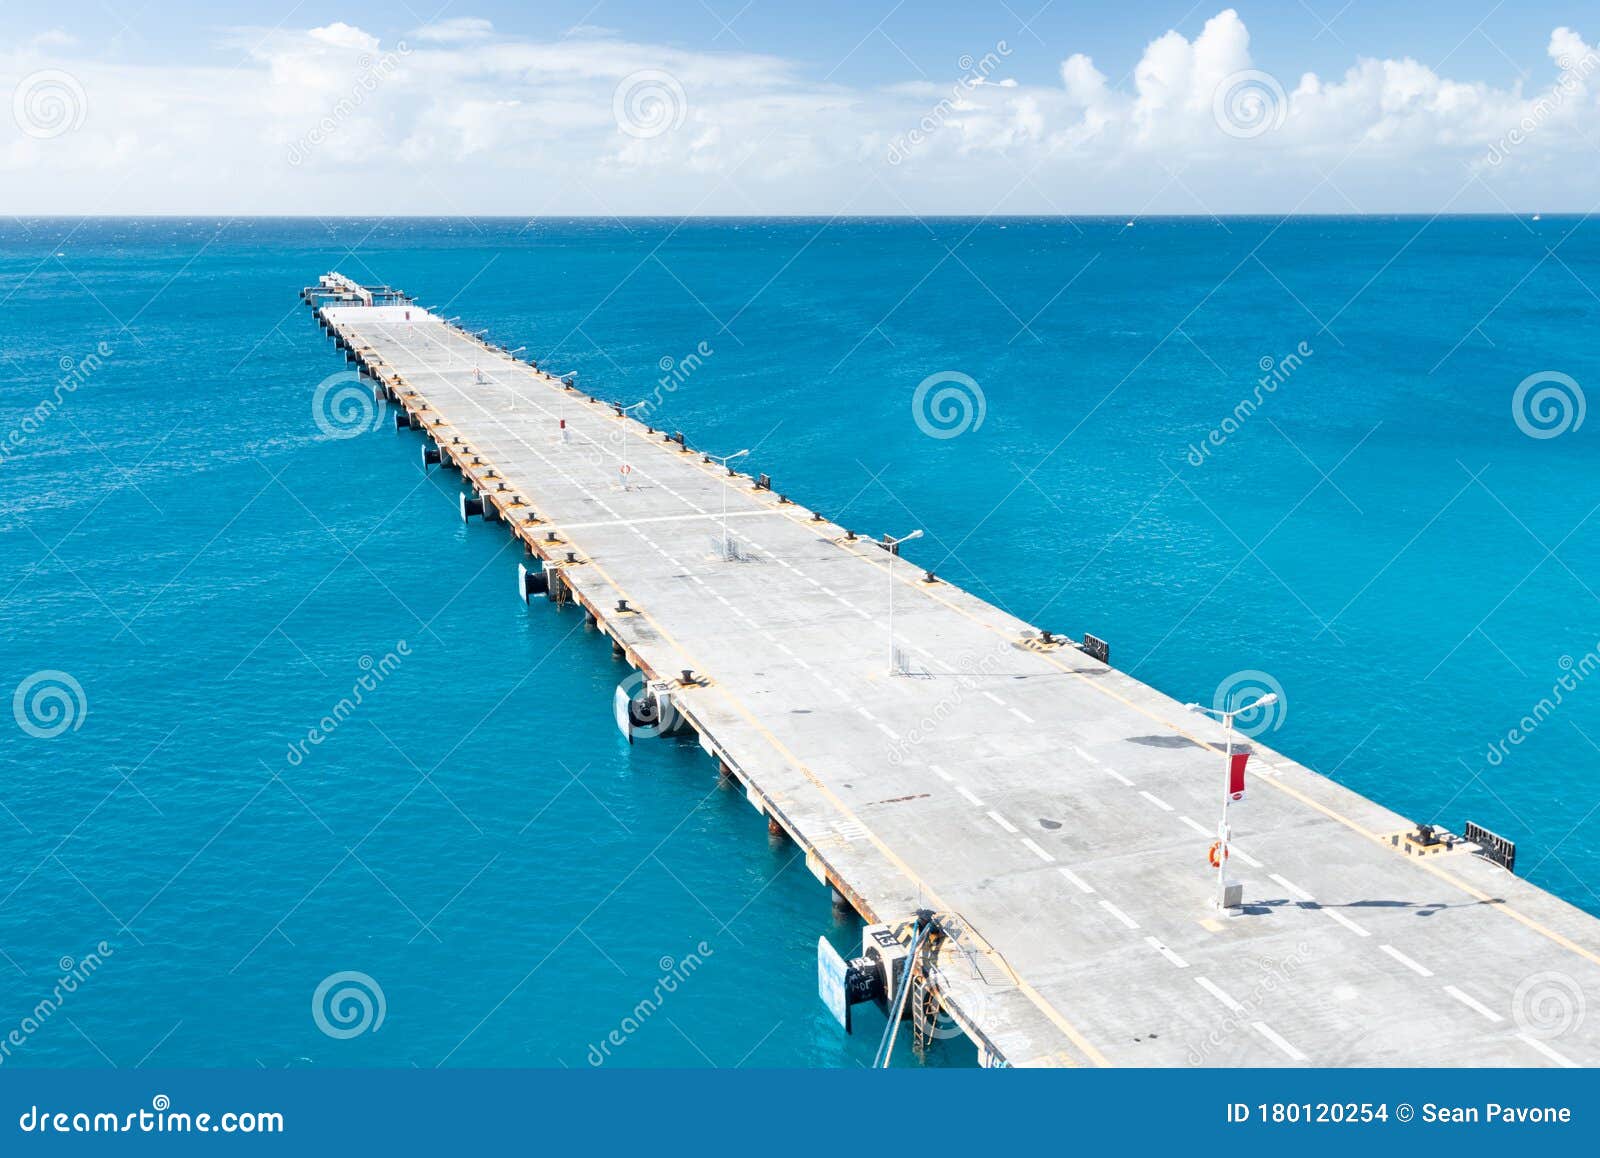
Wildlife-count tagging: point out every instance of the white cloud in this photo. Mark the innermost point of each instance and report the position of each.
(464, 119)
(455, 30)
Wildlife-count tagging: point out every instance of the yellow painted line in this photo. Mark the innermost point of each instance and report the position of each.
(1333, 814)
(1033, 995)
(1045, 1006)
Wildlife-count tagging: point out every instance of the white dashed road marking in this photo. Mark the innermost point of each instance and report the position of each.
(1119, 914)
(1472, 1003)
(1347, 922)
(1215, 991)
(1415, 966)
(1291, 886)
(1564, 1062)
(1036, 850)
(1167, 953)
(1271, 1035)
(1083, 886)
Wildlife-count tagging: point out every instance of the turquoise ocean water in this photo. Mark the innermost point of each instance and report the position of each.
(201, 573)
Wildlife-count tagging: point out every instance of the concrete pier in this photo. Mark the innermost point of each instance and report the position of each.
(1055, 813)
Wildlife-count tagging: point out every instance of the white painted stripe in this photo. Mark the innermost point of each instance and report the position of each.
(1473, 1003)
(970, 797)
(1559, 1059)
(1083, 886)
(1206, 984)
(885, 728)
(995, 698)
(658, 519)
(1415, 966)
(1347, 922)
(1167, 953)
(866, 713)
(1119, 914)
(1291, 886)
(1244, 856)
(1002, 822)
(1021, 715)
(1272, 1035)
(1156, 800)
(1196, 825)
(941, 773)
(1037, 851)
(1085, 755)
(1114, 774)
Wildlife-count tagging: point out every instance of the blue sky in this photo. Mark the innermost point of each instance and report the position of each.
(820, 107)
(1488, 41)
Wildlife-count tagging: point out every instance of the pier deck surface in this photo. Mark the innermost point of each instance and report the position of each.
(1057, 810)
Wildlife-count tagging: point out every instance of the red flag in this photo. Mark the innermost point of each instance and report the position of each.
(1236, 775)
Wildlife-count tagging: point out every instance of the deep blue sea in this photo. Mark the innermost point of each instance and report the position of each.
(194, 573)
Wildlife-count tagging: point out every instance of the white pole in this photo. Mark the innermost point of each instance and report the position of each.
(726, 546)
(622, 441)
(1222, 828)
(890, 571)
(892, 544)
(723, 461)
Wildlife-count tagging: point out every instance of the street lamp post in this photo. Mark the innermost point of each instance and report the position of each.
(622, 466)
(723, 460)
(1226, 716)
(892, 545)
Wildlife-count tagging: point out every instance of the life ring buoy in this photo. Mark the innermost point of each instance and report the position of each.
(1216, 855)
